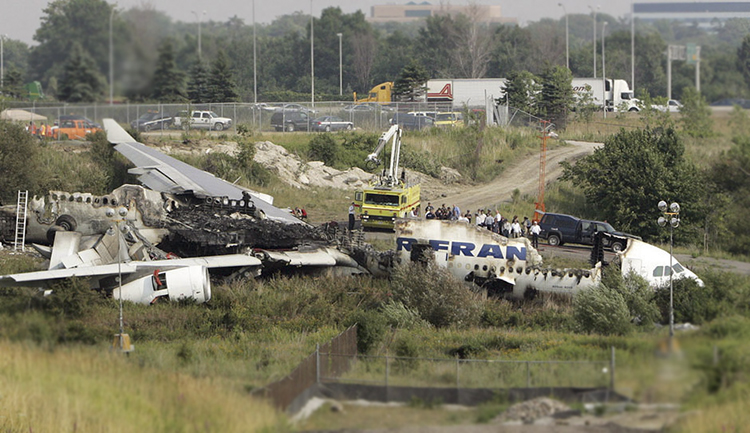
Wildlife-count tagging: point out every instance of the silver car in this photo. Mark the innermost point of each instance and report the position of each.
(331, 123)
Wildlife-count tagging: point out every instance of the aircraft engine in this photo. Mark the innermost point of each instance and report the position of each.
(190, 282)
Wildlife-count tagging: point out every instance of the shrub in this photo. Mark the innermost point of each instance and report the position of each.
(692, 303)
(601, 310)
(433, 292)
(371, 327)
(397, 315)
(323, 147)
(638, 295)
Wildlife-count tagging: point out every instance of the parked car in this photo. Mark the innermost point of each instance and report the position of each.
(153, 120)
(430, 114)
(65, 117)
(290, 107)
(673, 106)
(73, 128)
(450, 119)
(367, 107)
(201, 119)
(331, 123)
(290, 121)
(412, 122)
(559, 229)
(729, 102)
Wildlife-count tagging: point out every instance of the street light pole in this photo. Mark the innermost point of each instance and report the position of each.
(341, 71)
(2, 63)
(604, 71)
(632, 46)
(567, 38)
(312, 58)
(671, 215)
(594, 34)
(198, 17)
(111, 58)
(255, 65)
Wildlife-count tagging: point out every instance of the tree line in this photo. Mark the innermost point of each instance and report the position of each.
(157, 59)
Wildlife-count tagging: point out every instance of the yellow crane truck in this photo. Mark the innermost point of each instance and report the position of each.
(390, 196)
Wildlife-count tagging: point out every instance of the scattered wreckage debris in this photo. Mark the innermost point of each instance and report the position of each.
(222, 228)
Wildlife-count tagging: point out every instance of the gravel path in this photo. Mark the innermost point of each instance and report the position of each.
(523, 175)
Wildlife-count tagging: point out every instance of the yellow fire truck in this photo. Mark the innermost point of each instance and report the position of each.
(390, 197)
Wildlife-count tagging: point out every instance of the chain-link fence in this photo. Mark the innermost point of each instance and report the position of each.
(367, 116)
(475, 373)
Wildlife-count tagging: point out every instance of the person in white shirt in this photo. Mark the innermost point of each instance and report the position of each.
(480, 218)
(535, 230)
(515, 229)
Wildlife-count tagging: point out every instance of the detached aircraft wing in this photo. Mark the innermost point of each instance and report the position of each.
(166, 174)
(144, 282)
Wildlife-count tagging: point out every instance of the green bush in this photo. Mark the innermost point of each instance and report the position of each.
(436, 295)
(728, 327)
(601, 310)
(323, 147)
(637, 293)
(692, 303)
(408, 350)
(371, 327)
(397, 315)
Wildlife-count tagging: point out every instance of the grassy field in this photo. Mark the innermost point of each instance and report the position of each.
(80, 388)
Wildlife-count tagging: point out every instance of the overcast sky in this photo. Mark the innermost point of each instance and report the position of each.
(19, 19)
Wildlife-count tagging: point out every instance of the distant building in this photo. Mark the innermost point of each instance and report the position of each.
(416, 11)
(702, 13)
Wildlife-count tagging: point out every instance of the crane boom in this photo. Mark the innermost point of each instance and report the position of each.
(390, 177)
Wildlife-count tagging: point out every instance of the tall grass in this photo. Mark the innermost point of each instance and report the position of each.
(91, 389)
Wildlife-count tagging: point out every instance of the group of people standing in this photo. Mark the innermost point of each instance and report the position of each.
(492, 221)
(42, 131)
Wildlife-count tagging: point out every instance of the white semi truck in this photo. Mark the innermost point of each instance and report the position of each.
(615, 93)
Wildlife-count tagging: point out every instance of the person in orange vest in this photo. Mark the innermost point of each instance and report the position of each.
(43, 131)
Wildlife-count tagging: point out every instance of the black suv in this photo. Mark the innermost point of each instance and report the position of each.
(290, 120)
(560, 228)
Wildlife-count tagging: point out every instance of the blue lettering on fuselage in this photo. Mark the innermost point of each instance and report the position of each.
(438, 245)
(467, 249)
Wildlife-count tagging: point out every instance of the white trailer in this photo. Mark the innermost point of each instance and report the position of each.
(615, 93)
(465, 92)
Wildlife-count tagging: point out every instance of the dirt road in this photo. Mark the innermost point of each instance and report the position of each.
(524, 176)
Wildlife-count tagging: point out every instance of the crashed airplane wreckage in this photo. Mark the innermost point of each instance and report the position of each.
(218, 226)
(223, 229)
(507, 267)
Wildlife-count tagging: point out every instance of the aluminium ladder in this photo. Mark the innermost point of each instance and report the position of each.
(20, 241)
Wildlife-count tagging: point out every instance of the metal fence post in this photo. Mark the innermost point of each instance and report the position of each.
(317, 363)
(458, 362)
(612, 369)
(528, 375)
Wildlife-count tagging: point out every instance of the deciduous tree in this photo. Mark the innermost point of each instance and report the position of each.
(632, 172)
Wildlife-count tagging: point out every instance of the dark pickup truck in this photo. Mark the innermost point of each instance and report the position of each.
(559, 229)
